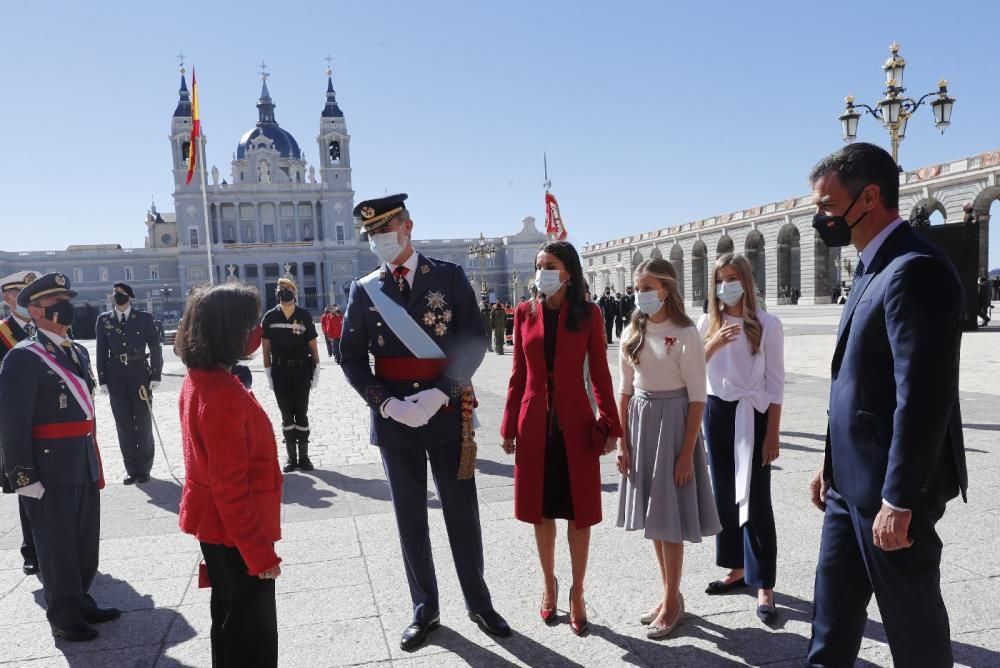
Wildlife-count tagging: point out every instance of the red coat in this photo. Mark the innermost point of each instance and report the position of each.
(333, 325)
(525, 415)
(232, 490)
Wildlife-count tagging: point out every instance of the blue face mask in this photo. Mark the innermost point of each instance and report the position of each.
(649, 302)
(22, 311)
(730, 292)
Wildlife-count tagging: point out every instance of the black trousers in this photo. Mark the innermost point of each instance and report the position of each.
(244, 614)
(66, 523)
(336, 350)
(619, 325)
(609, 323)
(754, 546)
(28, 552)
(406, 472)
(329, 346)
(906, 584)
(135, 430)
(291, 390)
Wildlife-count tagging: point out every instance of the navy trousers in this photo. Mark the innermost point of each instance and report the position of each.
(66, 523)
(754, 546)
(406, 472)
(135, 430)
(28, 552)
(906, 584)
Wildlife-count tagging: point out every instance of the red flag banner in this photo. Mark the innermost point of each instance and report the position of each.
(553, 220)
(195, 128)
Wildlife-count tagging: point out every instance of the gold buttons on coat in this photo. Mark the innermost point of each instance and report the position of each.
(416, 385)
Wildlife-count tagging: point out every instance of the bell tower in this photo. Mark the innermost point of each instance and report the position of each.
(180, 134)
(334, 142)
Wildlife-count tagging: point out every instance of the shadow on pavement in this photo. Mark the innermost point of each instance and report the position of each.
(140, 626)
(165, 494)
(982, 427)
(302, 490)
(371, 488)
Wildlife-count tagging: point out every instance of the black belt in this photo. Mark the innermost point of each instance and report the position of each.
(277, 361)
(125, 358)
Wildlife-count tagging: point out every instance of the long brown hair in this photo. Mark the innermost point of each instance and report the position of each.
(751, 323)
(663, 272)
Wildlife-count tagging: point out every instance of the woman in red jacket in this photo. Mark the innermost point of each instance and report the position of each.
(232, 492)
(548, 424)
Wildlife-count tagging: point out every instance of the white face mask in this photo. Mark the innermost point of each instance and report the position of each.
(649, 302)
(547, 281)
(730, 292)
(386, 246)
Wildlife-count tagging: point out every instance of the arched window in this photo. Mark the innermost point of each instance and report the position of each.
(185, 150)
(335, 152)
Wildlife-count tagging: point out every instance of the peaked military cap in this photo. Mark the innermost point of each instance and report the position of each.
(376, 213)
(46, 285)
(18, 280)
(126, 288)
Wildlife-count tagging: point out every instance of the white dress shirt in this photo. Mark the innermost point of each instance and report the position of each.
(411, 264)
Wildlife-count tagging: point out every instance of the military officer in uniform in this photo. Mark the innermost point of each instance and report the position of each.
(129, 374)
(291, 363)
(14, 329)
(51, 458)
(419, 319)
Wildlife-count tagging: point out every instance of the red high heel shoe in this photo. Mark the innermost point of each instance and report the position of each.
(548, 615)
(579, 626)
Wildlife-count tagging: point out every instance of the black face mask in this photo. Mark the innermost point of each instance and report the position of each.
(285, 295)
(121, 298)
(834, 230)
(61, 313)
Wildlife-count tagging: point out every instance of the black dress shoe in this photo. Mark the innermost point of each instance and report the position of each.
(142, 478)
(767, 614)
(491, 622)
(30, 567)
(129, 480)
(101, 615)
(81, 633)
(416, 634)
(719, 587)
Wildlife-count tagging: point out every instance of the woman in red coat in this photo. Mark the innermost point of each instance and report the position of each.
(232, 491)
(548, 423)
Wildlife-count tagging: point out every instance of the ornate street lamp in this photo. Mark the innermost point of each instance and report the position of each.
(894, 110)
(482, 251)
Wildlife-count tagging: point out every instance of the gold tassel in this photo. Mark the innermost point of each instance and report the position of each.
(467, 464)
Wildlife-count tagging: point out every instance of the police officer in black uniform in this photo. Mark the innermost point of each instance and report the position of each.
(129, 374)
(14, 329)
(291, 362)
(51, 458)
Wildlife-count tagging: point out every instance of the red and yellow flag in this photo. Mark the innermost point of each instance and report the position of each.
(554, 227)
(195, 128)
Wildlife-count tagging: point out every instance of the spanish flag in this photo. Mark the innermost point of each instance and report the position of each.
(195, 128)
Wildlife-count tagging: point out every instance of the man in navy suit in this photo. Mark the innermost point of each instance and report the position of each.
(894, 450)
(50, 456)
(126, 371)
(423, 371)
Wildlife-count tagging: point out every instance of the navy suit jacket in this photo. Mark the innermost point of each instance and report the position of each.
(32, 394)
(443, 302)
(113, 340)
(895, 429)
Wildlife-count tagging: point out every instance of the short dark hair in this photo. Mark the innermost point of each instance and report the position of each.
(861, 164)
(216, 325)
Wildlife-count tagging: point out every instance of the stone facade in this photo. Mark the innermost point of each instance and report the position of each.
(779, 241)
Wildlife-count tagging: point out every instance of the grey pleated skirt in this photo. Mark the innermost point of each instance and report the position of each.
(648, 499)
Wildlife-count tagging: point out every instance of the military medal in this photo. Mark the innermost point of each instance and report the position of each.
(63, 401)
(380, 341)
(437, 315)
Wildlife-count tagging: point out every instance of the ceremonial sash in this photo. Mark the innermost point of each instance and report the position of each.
(77, 386)
(7, 335)
(399, 321)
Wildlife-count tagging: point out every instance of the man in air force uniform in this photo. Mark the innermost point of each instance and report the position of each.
(419, 318)
(51, 458)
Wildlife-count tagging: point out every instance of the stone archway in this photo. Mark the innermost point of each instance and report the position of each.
(789, 265)
(699, 272)
(655, 254)
(754, 252)
(677, 261)
(724, 246)
(981, 205)
(637, 259)
(825, 260)
(929, 205)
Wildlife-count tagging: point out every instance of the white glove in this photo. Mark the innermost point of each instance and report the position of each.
(405, 412)
(104, 389)
(35, 490)
(315, 380)
(270, 383)
(153, 384)
(431, 401)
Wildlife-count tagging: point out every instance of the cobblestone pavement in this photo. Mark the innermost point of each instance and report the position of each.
(342, 598)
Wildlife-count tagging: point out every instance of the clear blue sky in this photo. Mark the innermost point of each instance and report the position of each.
(652, 114)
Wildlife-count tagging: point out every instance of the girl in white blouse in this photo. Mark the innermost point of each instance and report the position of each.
(744, 352)
(665, 488)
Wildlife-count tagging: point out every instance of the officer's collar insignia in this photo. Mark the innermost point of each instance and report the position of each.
(367, 212)
(381, 275)
(381, 341)
(51, 348)
(60, 280)
(424, 269)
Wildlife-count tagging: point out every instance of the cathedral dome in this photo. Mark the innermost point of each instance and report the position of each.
(282, 142)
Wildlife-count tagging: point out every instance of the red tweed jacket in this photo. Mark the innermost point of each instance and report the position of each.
(232, 492)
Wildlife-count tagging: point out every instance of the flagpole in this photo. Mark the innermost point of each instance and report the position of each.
(204, 206)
